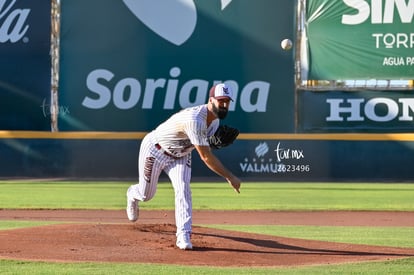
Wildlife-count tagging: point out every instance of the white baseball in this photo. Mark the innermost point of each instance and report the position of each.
(286, 44)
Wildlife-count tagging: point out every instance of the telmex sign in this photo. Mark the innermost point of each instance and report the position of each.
(361, 109)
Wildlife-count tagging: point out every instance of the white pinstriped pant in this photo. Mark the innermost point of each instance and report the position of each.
(151, 162)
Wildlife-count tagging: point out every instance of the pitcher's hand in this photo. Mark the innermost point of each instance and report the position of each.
(235, 182)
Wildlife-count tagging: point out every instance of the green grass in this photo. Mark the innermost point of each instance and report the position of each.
(383, 236)
(306, 196)
(403, 267)
(4, 225)
(254, 196)
(62, 195)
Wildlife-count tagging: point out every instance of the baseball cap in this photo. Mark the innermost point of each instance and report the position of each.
(221, 91)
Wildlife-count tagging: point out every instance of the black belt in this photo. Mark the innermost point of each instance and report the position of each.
(165, 152)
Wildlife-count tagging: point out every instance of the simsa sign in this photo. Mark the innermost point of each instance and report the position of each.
(360, 39)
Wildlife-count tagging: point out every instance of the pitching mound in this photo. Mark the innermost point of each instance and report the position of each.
(155, 243)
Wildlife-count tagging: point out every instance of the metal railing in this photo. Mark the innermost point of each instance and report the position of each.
(54, 52)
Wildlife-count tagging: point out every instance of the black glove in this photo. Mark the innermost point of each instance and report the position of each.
(224, 136)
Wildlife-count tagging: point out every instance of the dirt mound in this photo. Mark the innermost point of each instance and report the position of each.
(155, 243)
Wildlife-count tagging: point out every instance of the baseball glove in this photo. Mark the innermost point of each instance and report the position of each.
(224, 136)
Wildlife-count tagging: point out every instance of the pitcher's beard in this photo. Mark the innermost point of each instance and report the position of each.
(221, 113)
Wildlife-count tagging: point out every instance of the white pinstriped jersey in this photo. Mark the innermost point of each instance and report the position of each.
(183, 130)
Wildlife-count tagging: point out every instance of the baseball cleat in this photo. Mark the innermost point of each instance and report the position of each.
(132, 209)
(183, 241)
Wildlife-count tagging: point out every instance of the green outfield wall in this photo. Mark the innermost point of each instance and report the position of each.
(125, 66)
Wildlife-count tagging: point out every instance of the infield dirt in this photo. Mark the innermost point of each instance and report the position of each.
(106, 236)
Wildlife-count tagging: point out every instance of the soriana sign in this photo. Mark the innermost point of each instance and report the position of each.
(131, 64)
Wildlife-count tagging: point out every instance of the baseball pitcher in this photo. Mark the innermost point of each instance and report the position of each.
(168, 148)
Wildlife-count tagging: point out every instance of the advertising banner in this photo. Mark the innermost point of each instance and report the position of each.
(25, 65)
(251, 160)
(360, 39)
(374, 111)
(127, 65)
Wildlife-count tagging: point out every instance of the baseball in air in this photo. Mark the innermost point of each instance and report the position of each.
(286, 44)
